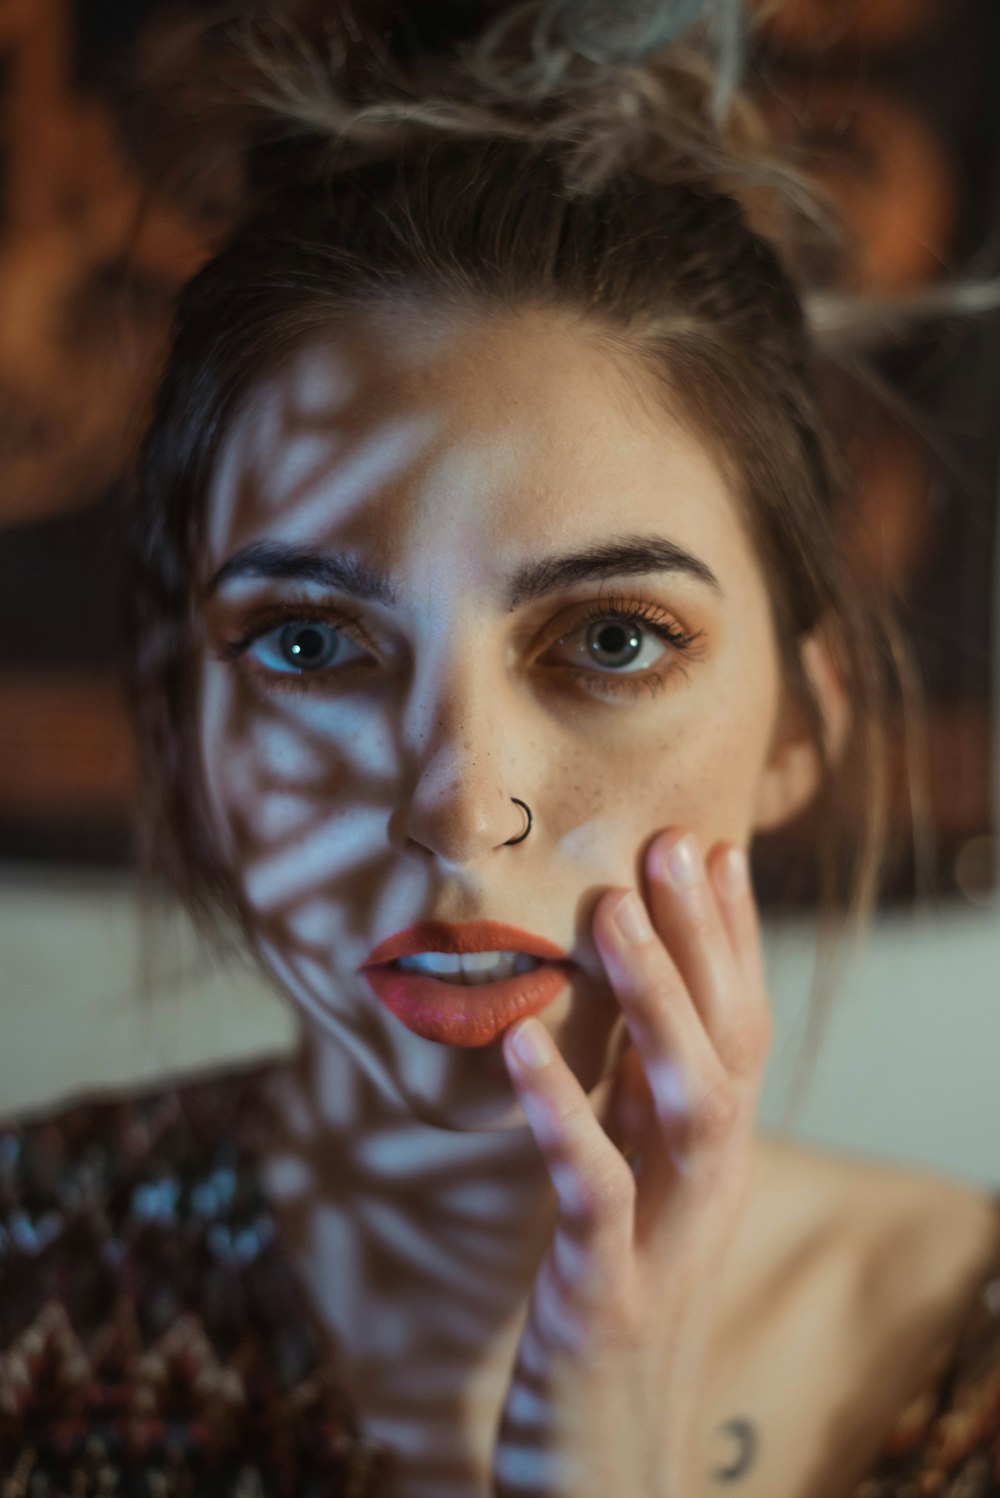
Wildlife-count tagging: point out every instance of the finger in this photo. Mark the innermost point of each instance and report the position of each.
(730, 876)
(693, 1096)
(686, 916)
(747, 1045)
(726, 983)
(591, 1178)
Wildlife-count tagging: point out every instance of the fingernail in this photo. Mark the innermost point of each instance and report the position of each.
(631, 917)
(680, 864)
(532, 1044)
(733, 873)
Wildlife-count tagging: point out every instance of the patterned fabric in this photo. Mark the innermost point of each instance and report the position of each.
(946, 1441)
(155, 1342)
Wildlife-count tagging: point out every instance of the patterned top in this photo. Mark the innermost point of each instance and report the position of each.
(154, 1340)
(156, 1343)
(946, 1441)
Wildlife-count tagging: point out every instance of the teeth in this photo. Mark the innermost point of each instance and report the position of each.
(438, 963)
(484, 962)
(470, 968)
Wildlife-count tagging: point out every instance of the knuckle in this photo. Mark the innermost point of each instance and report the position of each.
(609, 1193)
(715, 1117)
(747, 1045)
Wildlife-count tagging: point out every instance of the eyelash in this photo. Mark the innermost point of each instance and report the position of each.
(637, 611)
(617, 609)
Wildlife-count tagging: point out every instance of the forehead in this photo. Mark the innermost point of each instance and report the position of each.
(404, 426)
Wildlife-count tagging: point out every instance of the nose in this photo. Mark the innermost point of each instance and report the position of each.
(462, 830)
(460, 808)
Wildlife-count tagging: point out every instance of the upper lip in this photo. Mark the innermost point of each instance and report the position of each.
(469, 936)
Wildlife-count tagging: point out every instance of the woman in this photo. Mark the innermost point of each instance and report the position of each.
(486, 605)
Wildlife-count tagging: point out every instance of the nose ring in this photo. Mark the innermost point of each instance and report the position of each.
(512, 840)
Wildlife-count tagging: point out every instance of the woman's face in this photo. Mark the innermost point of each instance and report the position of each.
(395, 645)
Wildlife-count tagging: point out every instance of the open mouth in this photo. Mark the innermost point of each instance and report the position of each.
(468, 968)
(470, 1008)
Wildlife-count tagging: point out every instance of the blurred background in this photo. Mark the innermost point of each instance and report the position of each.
(895, 105)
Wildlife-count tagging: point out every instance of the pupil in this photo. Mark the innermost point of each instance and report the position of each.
(622, 638)
(306, 645)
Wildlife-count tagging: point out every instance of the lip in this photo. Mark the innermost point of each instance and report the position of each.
(469, 936)
(464, 1015)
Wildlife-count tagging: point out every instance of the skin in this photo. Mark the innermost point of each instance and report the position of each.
(614, 1350)
(448, 449)
(351, 810)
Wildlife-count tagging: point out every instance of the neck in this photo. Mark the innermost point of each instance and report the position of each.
(418, 1246)
(378, 1207)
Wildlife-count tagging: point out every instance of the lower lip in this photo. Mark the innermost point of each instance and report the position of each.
(473, 1014)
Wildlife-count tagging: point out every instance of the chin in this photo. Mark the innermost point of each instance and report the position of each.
(465, 1090)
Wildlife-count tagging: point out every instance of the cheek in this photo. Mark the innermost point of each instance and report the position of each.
(704, 771)
(723, 756)
(297, 791)
(713, 783)
(606, 804)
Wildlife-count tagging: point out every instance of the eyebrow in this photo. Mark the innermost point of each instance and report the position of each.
(627, 556)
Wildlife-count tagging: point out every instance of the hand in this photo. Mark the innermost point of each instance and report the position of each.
(605, 1393)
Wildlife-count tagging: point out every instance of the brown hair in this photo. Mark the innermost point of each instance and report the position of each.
(610, 189)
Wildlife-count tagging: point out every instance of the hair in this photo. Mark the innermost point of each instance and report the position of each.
(590, 158)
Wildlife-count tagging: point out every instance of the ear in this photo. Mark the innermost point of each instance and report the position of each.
(794, 770)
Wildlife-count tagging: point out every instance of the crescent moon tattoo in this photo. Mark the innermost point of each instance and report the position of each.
(746, 1434)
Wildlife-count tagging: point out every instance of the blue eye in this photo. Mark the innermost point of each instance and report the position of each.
(303, 645)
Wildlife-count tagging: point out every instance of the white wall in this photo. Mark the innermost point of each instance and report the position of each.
(910, 1067)
(74, 1010)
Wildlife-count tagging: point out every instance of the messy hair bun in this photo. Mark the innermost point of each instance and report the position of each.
(647, 87)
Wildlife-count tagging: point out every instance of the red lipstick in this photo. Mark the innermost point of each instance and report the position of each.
(470, 936)
(459, 1014)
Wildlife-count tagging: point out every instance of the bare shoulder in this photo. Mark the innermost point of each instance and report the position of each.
(920, 1240)
(871, 1261)
(928, 1238)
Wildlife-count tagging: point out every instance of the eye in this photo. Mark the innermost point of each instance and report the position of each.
(300, 646)
(625, 639)
(616, 644)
